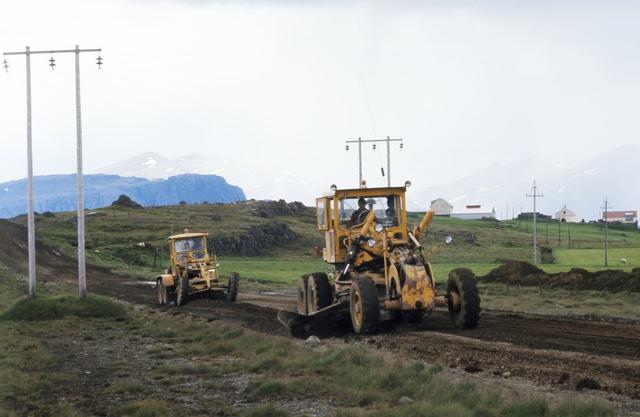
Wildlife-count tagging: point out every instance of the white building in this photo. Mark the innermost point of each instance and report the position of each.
(441, 207)
(564, 215)
(473, 212)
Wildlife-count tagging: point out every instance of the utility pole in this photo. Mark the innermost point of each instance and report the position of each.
(559, 233)
(534, 194)
(360, 141)
(606, 208)
(546, 237)
(31, 229)
(82, 279)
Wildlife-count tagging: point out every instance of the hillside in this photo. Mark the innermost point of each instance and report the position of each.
(274, 241)
(57, 193)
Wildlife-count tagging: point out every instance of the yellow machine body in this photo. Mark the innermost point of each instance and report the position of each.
(189, 257)
(390, 254)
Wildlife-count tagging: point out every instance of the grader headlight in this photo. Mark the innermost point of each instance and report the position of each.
(371, 243)
(379, 227)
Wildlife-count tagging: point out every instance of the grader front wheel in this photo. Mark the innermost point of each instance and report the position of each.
(182, 291)
(463, 299)
(162, 292)
(318, 292)
(302, 295)
(364, 305)
(233, 286)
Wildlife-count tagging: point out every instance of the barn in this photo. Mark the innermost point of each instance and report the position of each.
(564, 215)
(473, 212)
(441, 207)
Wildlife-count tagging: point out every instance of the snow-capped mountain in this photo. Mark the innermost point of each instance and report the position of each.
(581, 185)
(154, 166)
(265, 183)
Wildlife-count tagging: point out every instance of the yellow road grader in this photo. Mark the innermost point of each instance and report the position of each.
(193, 271)
(377, 264)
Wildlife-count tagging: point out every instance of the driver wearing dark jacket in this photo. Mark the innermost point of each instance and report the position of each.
(360, 213)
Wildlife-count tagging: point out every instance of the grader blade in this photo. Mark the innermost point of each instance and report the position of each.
(297, 324)
(319, 323)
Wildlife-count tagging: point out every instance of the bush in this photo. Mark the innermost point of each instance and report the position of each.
(54, 308)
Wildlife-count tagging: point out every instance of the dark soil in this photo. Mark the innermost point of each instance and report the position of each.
(523, 273)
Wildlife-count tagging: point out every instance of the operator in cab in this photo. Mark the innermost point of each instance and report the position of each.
(360, 214)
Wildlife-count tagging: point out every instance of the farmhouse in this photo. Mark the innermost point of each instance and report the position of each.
(441, 207)
(473, 212)
(564, 215)
(627, 217)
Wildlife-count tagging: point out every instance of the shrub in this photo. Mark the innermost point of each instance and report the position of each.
(53, 308)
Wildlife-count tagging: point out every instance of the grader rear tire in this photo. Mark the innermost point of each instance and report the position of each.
(364, 305)
(302, 294)
(318, 292)
(233, 286)
(182, 291)
(462, 286)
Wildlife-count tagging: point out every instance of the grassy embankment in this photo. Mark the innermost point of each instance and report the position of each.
(61, 357)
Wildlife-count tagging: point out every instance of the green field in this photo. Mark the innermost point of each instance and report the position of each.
(594, 258)
(113, 235)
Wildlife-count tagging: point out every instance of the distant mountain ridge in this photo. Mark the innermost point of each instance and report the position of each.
(58, 192)
(262, 183)
(581, 185)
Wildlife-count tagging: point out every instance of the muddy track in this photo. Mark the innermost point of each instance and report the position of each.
(547, 350)
(550, 351)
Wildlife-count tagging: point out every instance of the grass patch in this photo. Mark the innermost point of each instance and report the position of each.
(59, 307)
(147, 408)
(128, 387)
(265, 411)
(560, 301)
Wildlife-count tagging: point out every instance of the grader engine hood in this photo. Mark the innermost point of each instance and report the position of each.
(417, 290)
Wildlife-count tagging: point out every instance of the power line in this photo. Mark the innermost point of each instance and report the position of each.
(360, 141)
(82, 278)
(534, 194)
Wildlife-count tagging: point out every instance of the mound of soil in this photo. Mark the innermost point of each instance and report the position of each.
(126, 202)
(523, 273)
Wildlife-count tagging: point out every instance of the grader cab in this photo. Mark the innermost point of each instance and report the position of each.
(193, 271)
(377, 264)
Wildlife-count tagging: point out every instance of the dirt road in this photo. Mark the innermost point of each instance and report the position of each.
(551, 351)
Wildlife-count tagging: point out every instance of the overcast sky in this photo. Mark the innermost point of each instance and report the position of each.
(285, 83)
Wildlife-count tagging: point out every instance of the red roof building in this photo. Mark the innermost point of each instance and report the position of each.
(630, 216)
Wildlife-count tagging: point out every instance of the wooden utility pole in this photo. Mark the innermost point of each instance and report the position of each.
(606, 208)
(534, 194)
(82, 279)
